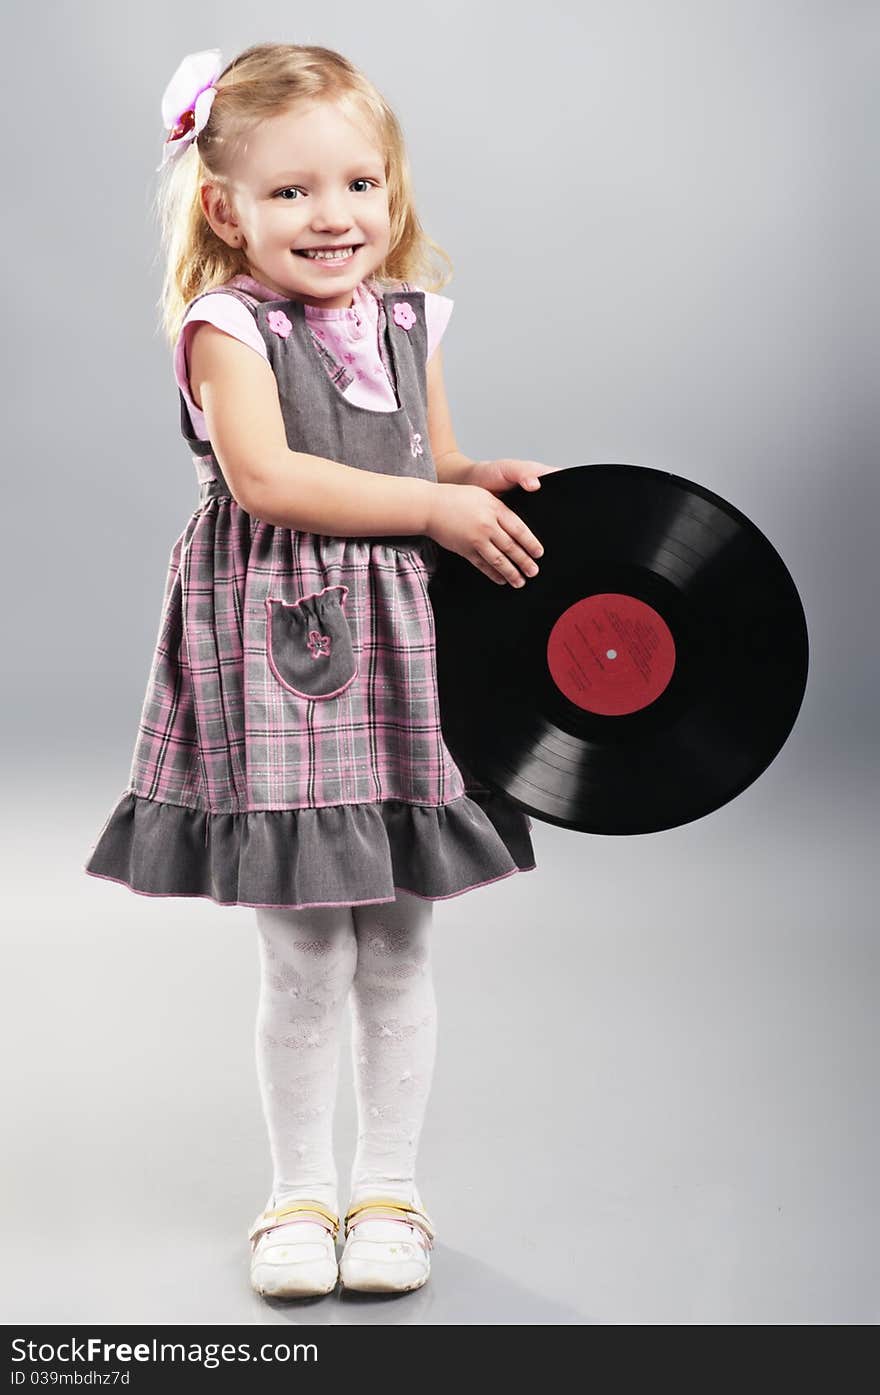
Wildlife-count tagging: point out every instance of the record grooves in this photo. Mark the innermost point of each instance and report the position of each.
(646, 676)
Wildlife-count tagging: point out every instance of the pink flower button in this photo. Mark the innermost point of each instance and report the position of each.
(279, 323)
(319, 645)
(403, 314)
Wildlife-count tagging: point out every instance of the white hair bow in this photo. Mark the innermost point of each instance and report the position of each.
(187, 100)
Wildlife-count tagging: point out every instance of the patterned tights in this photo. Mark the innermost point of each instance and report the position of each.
(311, 961)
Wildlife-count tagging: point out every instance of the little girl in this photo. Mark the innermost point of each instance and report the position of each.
(290, 755)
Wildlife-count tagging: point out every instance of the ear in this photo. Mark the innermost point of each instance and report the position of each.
(215, 207)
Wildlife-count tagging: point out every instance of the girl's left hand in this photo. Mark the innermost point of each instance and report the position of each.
(500, 475)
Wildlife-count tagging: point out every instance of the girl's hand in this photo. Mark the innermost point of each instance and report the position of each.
(469, 520)
(500, 475)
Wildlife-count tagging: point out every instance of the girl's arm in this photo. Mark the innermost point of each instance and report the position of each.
(452, 466)
(236, 390)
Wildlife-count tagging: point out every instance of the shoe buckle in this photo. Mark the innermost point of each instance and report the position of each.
(321, 1214)
(391, 1210)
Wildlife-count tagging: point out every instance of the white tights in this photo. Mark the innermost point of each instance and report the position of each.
(311, 961)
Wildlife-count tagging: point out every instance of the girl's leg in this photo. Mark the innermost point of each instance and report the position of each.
(307, 963)
(394, 1042)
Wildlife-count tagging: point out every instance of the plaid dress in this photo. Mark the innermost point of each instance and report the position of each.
(290, 751)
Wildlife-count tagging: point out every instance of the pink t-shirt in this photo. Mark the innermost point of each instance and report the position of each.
(351, 335)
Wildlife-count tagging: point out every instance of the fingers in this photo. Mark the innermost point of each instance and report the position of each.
(522, 537)
(515, 549)
(497, 564)
(507, 557)
(509, 560)
(487, 570)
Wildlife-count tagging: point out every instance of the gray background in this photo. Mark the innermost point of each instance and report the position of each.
(655, 1094)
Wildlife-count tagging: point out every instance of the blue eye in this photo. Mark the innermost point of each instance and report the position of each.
(294, 189)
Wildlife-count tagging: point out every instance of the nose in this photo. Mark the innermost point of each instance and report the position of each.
(332, 213)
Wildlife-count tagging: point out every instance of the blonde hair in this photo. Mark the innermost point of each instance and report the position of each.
(264, 81)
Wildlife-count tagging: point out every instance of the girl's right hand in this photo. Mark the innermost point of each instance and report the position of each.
(469, 520)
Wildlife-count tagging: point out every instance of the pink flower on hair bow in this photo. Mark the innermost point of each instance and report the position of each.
(187, 101)
(403, 314)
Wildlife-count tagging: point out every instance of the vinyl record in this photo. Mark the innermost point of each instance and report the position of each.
(646, 676)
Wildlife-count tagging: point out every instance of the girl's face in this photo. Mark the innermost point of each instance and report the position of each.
(307, 179)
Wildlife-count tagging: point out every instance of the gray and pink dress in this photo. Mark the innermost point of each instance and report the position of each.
(290, 750)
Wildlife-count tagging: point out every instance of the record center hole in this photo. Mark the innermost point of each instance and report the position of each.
(610, 653)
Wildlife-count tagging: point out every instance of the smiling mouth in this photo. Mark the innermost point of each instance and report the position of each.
(327, 254)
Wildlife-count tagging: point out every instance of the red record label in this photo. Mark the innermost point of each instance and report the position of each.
(611, 654)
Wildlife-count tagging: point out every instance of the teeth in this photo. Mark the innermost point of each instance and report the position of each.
(338, 254)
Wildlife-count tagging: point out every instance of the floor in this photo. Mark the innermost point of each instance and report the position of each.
(654, 1100)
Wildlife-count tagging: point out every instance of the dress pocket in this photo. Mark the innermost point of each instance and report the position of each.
(308, 643)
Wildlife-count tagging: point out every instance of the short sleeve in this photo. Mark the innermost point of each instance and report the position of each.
(438, 308)
(227, 313)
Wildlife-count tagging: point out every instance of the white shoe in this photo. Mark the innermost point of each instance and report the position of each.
(297, 1258)
(387, 1247)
